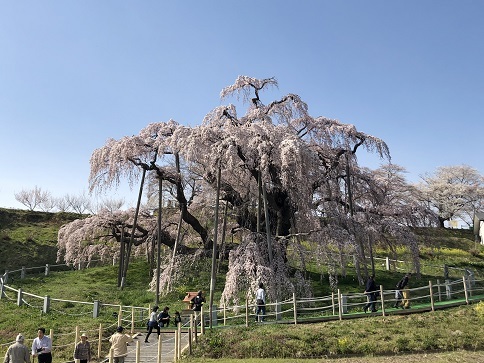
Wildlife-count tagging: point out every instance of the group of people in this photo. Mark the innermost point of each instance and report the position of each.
(401, 293)
(159, 320)
(41, 348)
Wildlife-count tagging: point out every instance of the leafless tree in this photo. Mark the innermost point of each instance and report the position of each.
(32, 198)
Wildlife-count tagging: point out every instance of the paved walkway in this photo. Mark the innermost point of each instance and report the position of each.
(148, 352)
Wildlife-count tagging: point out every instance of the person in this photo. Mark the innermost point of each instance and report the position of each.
(42, 347)
(371, 293)
(17, 352)
(153, 323)
(164, 317)
(398, 292)
(119, 344)
(260, 296)
(198, 301)
(83, 350)
(177, 318)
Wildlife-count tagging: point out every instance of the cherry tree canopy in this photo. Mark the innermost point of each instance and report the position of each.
(455, 192)
(302, 168)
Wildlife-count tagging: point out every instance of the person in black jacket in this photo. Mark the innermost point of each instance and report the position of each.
(398, 292)
(198, 301)
(164, 317)
(371, 293)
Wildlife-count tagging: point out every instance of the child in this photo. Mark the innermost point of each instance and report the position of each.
(177, 318)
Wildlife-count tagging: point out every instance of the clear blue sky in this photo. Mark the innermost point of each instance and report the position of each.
(75, 73)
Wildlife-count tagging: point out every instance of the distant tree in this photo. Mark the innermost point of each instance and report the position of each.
(33, 198)
(454, 192)
(286, 176)
(78, 203)
(48, 204)
(62, 204)
(111, 204)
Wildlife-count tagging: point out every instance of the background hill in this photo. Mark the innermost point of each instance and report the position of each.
(29, 238)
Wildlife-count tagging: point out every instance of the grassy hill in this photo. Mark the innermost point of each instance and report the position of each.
(29, 238)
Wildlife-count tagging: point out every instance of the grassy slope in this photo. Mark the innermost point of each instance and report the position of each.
(29, 238)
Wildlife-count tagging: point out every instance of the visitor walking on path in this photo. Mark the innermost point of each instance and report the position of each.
(398, 292)
(42, 347)
(371, 293)
(83, 350)
(119, 344)
(260, 296)
(153, 323)
(17, 352)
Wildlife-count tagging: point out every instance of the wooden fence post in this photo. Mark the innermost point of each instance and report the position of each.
(340, 307)
(295, 307)
(51, 335)
(439, 291)
(132, 320)
(160, 347)
(202, 322)
(100, 340)
(194, 322)
(332, 303)
(178, 332)
(120, 315)
(431, 296)
(138, 351)
(46, 304)
(76, 337)
(175, 350)
(19, 297)
(465, 290)
(225, 312)
(382, 298)
(190, 340)
(246, 313)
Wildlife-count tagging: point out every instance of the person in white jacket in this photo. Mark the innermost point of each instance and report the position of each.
(260, 296)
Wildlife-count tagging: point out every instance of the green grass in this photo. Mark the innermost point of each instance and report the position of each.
(457, 328)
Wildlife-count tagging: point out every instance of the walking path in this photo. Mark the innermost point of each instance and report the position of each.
(148, 352)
